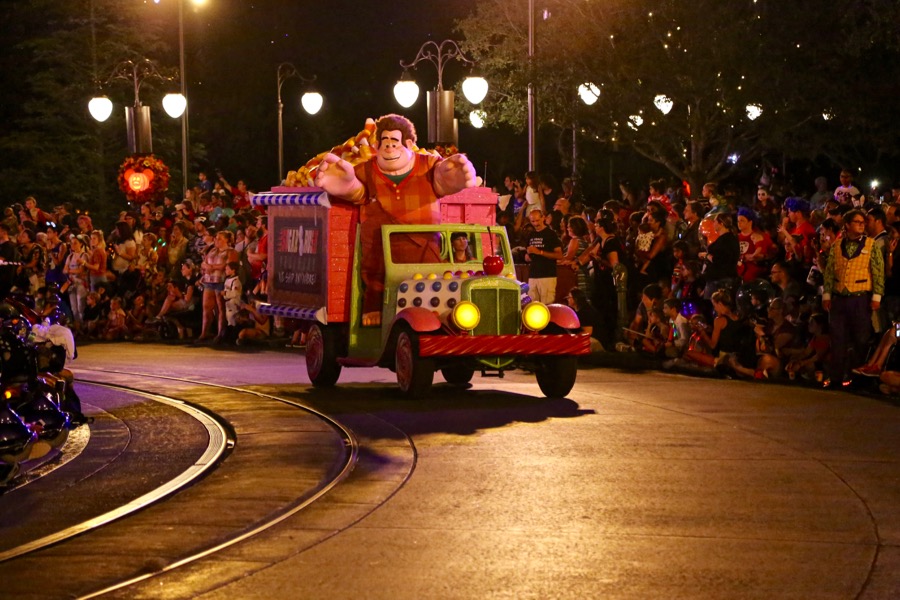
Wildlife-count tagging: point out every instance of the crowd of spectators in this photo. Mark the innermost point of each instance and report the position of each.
(192, 270)
(715, 282)
(747, 286)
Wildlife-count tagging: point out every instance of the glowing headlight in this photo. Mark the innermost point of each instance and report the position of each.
(8, 394)
(466, 315)
(535, 316)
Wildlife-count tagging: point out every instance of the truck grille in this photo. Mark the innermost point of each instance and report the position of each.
(499, 311)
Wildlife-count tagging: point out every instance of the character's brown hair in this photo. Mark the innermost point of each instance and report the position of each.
(394, 122)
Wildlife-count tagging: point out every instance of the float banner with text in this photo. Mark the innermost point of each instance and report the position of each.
(299, 257)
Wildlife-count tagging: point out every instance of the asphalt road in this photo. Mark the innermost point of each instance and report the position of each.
(639, 485)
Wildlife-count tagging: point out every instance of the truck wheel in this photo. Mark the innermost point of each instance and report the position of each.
(414, 374)
(458, 374)
(556, 375)
(321, 356)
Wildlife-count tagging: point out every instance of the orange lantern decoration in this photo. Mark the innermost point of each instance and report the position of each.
(138, 181)
(143, 177)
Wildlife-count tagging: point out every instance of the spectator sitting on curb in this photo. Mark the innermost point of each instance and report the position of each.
(812, 358)
(587, 315)
(679, 329)
(251, 325)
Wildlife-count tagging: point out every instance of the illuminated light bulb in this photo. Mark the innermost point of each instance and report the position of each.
(663, 103)
(754, 111)
(589, 93)
(174, 105)
(100, 108)
(312, 102)
(406, 91)
(475, 88)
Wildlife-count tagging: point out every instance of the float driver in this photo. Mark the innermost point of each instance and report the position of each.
(397, 185)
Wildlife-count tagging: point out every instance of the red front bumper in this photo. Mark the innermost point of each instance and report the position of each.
(503, 345)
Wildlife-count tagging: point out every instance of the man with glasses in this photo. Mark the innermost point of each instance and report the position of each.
(854, 284)
(780, 276)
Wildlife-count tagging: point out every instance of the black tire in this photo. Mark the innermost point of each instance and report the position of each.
(321, 355)
(556, 375)
(458, 374)
(414, 374)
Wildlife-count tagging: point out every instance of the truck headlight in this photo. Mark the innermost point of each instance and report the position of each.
(535, 316)
(466, 315)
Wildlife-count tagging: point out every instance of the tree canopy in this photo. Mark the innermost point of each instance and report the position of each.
(817, 78)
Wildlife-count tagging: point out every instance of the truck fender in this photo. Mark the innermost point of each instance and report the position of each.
(419, 319)
(563, 316)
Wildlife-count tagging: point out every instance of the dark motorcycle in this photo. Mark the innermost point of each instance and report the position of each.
(35, 416)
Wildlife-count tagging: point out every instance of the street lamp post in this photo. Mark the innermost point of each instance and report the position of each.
(311, 102)
(184, 118)
(442, 126)
(137, 117)
(185, 127)
(532, 140)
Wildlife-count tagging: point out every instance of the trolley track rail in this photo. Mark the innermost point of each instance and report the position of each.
(218, 494)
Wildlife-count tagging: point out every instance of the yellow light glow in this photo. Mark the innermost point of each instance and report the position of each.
(535, 316)
(466, 315)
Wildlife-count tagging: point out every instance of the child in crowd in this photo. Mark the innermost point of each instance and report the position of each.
(656, 334)
(232, 293)
(643, 242)
(651, 298)
(136, 318)
(679, 329)
(679, 255)
(93, 315)
(116, 322)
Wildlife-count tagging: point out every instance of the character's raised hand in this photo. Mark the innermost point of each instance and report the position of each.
(336, 176)
(453, 174)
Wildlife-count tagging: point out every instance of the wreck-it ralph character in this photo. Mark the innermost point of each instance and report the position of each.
(397, 185)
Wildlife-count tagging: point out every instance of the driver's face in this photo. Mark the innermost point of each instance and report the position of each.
(393, 156)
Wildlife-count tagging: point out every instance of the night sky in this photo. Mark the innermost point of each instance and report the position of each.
(353, 48)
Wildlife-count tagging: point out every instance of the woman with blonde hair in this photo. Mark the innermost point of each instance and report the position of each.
(96, 262)
(212, 269)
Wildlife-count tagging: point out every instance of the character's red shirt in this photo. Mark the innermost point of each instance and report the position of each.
(411, 201)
